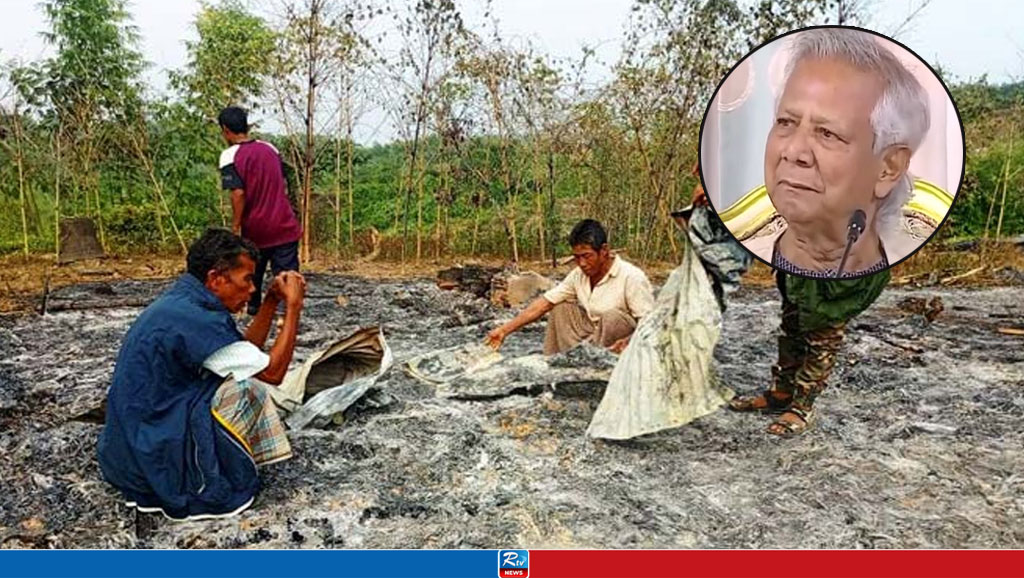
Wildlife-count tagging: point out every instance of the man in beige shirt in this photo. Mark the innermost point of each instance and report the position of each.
(600, 300)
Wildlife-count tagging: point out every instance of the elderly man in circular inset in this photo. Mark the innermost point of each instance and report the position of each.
(847, 122)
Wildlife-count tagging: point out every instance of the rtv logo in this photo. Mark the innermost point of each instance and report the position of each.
(513, 563)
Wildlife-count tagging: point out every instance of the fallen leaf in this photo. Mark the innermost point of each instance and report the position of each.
(33, 525)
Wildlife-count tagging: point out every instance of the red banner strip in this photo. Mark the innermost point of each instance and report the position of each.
(777, 563)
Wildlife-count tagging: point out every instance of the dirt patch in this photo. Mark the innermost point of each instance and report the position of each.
(918, 442)
(23, 280)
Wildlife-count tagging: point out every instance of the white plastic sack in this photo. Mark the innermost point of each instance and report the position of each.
(475, 371)
(444, 365)
(333, 378)
(664, 378)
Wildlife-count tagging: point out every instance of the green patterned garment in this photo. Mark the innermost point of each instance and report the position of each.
(826, 303)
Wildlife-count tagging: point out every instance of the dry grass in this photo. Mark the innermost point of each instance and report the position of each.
(22, 280)
(977, 268)
(931, 266)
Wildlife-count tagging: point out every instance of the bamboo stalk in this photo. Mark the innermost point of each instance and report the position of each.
(99, 218)
(1006, 182)
(56, 199)
(351, 180)
(337, 189)
(540, 227)
(437, 231)
(20, 161)
(550, 213)
(476, 231)
(419, 212)
(955, 278)
(158, 190)
(442, 193)
(992, 206)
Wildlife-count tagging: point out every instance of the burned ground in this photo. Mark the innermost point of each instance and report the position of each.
(918, 440)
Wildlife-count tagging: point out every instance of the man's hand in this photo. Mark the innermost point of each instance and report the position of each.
(292, 288)
(237, 210)
(495, 338)
(274, 293)
(700, 198)
(619, 346)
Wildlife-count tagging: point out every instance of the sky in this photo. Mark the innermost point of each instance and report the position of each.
(967, 39)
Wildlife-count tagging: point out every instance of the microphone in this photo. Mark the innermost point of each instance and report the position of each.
(857, 223)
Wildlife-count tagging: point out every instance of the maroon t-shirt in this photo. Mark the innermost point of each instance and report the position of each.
(255, 167)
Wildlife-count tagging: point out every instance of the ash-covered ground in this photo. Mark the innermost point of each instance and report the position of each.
(919, 440)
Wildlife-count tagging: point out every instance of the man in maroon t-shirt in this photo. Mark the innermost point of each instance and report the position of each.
(252, 170)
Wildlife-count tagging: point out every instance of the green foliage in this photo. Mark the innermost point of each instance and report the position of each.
(230, 61)
(131, 226)
(94, 73)
(185, 156)
(990, 169)
(510, 146)
(770, 18)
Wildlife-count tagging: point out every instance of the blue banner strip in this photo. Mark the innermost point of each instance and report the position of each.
(249, 563)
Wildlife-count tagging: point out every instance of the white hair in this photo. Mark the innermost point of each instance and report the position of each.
(901, 115)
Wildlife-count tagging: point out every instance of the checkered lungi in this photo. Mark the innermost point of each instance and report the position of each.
(247, 411)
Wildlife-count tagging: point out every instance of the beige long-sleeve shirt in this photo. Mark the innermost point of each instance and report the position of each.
(625, 287)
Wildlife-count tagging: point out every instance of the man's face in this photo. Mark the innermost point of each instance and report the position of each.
(234, 286)
(591, 261)
(818, 162)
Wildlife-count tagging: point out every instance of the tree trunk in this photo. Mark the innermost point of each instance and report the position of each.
(421, 106)
(540, 225)
(437, 232)
(310, 153)
(351, 180)
(413, 159)
(419, 212)
(337, 189)
(1006, 181)
(538, 193)
(992, 205)
(99, 215)
(83, 189)
(512, 234)
(21, 176)
(56, 198)
(437, 214)
(307, 196)
(400, 190)
(158, 191)
(476, 231)
(510, 209)
(551, 205)
(447, 227)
